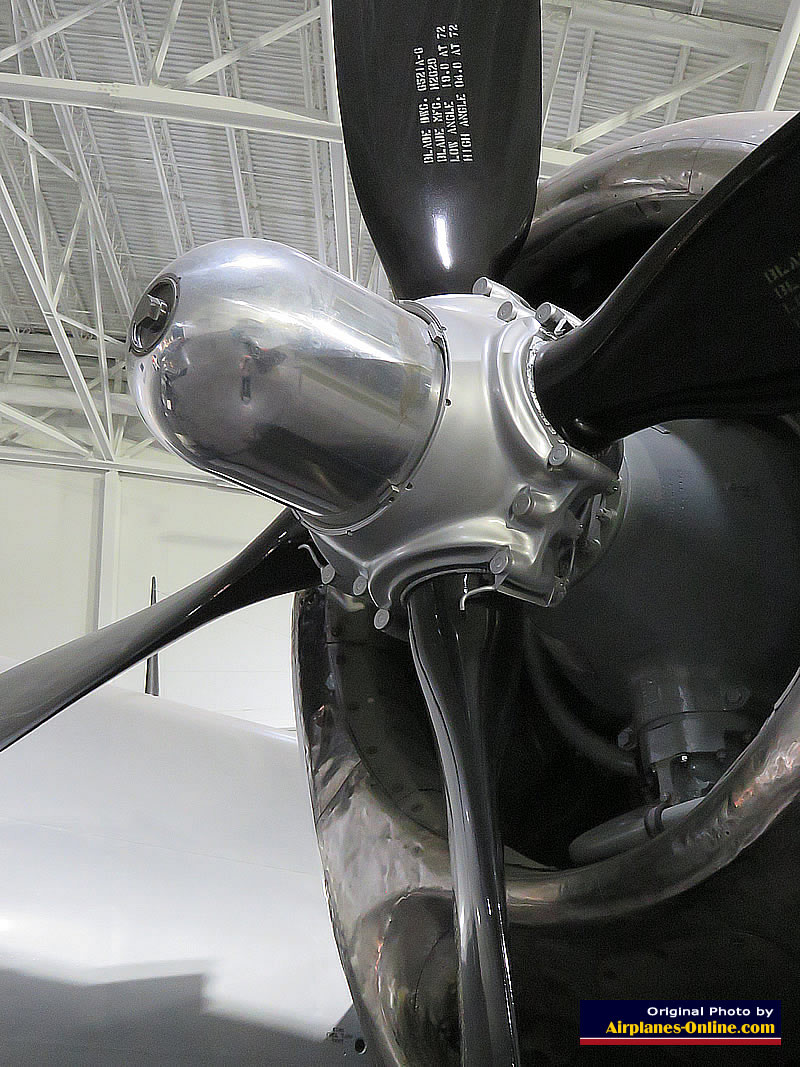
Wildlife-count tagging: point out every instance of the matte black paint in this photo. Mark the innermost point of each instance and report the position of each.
(438, 226)
(276, 562)
(707, 324)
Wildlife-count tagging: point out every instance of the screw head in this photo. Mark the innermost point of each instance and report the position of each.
(381, 619)
(328, 573)
(360, 585)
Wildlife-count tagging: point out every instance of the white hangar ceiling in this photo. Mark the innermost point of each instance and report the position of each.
(131, 130)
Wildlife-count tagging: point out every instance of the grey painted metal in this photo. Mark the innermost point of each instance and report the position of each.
(623, 832)
(690, 488)
(282, 375)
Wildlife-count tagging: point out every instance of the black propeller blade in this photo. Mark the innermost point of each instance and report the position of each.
(707, 324)
(276, 562)
(441, 111)
(467, 655)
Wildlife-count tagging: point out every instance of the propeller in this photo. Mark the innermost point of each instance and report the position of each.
(707, 324)
(275, 562)
(441, 117)
(441, 113)
(467, 655)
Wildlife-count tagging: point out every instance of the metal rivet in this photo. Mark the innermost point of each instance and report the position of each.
(381, 619)
(506, 312)
(559, 454)
(482, 287)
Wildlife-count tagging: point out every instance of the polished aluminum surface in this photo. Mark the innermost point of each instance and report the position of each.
(662, 166)
(406, 437)
(281, 375)
(490, 496)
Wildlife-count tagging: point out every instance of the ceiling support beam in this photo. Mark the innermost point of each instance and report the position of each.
(44, 299)
(755, 79)
(80, 165)
(34, 144)
(174, 105)
(70, 248)
(21, 418)
(555, 66)
(579, 93)
(52, 28)
(781, 58)
(13, 170)
(11, 363)
(312, 96)
(22, 397)
(59, 398)
(101, 340)
(339, 179)
(642, 23)
(225, 59)
(166, 36)
(671, 113)
(230, 134)
(599, 129)
(152, 136)
(184, 476)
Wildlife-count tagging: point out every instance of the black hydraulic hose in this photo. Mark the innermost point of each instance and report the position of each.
(581, 737)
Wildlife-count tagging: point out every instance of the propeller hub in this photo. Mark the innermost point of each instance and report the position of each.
(406, 437)
(269, 370)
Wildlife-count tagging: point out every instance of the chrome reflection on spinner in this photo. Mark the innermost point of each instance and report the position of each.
(279, 374)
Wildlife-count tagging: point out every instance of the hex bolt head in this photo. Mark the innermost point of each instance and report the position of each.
(381, 619)
(506, 312)
(328, 573)
(500, 561)
(482, 287)
(547, 315)
(522, 503)
(626, 739)
(559, 454)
